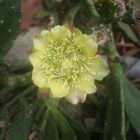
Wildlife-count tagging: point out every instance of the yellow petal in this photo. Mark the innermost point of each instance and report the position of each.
(58, 88)
(99, 68)
(76, 32)
(60, 32)
(87, 44)
(39, 79)
(75, 97)
(40, 41)
(45, 33)
(35, 59)
(85, 84)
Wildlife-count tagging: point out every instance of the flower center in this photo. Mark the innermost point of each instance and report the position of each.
(63, 60)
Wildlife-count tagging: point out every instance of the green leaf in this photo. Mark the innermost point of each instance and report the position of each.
(129, 32)
(132, 104)
(9, 24)
(79, 129)
(72, 13)
(3, 76)
(115, 121)
(91, 7)
(63, 125)
(19, 128)
(44, 14)
(107, 10)
(52, 132)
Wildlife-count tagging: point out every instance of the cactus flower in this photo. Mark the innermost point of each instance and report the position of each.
(65, 61)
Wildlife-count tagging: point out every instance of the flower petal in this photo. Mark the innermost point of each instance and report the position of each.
(85, 84)
(64, 61)
(58, 88)
(99, 68)
(41, 40)
(60, 32)
(35, 59)
(76, 32)
(87, 44)
(76, 97)
(39, 79)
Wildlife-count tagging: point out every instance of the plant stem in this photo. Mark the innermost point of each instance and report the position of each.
(110, 48)
(72, 13)
(92, 8)
(51, 104)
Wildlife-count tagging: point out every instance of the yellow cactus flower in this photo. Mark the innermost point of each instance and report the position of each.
(66, 62)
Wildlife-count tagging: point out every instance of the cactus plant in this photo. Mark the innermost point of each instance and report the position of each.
(9, 24)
